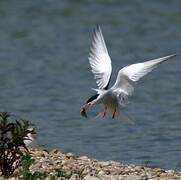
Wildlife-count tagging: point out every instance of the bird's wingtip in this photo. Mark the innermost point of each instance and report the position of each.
(172, 55)
(98, 26)
(168, 56)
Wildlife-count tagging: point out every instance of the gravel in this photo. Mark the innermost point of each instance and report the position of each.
(75, 167)
(64, 166)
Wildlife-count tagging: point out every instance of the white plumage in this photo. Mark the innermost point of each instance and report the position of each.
(115, 97)
(135, 72)
(99, 60)
(30, 140)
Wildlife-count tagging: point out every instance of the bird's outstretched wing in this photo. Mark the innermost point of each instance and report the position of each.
(134, 72)
(99, 60)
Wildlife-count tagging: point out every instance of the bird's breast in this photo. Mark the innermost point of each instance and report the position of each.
(110, 100)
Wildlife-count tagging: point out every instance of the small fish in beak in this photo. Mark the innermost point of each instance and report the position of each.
(83, 112)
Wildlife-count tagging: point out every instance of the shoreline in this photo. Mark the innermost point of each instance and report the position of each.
(73, 167)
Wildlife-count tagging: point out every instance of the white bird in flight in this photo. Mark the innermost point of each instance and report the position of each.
(116, 97)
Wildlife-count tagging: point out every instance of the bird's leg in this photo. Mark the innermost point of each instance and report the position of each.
(114, 113)
(104, 112)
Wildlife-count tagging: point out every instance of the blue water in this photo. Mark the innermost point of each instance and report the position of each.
(45, 77)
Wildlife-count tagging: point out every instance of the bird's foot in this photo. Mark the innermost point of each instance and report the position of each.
(114, 113)
(102, 114)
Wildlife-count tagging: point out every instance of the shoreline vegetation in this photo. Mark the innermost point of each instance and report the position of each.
(54, 164)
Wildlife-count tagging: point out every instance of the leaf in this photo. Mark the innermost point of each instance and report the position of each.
(11, 139)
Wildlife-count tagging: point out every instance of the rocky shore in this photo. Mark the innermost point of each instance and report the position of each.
(67, 166)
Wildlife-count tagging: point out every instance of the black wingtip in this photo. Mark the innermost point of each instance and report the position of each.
(172, 55)
(97, 28)
(175, 54)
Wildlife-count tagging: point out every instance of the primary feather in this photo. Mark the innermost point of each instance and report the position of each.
(134, 72)
(99, 60)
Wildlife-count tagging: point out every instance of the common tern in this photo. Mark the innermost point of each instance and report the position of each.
(30, 138)
(116, 97)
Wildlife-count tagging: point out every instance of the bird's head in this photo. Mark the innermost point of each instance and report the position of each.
(84, 108)
(30, 137)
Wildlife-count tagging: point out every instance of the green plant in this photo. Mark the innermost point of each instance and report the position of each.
(26, 162)
(25, 173)
(11, 140)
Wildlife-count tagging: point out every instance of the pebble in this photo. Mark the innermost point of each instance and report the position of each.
(84, 158)
(74, 177)
(130, 177)
(88, 177)
(105, 163)
(101, 173)
(54, 151)
(69, 155)
(84, 168)
(110, 177)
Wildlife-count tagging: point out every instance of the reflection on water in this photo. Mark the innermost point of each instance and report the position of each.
(45, 77)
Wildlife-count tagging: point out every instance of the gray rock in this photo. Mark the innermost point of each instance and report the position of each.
(100, 173)
(88, 177)
(70, 155)
(74, 177)
(83, 158)
(130, 177)
(54, 151)
(138, 168)
(110, 177)
(105, 163)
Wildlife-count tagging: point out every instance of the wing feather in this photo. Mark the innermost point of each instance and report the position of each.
(99, 60)
(135, 72)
